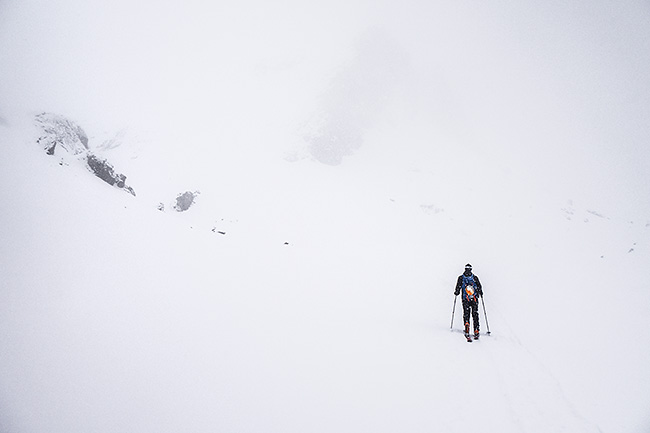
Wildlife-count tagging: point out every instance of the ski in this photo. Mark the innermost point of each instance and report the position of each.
(469, 339)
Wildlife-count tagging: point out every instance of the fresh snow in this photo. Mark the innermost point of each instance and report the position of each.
(119, 317)
(326, 305)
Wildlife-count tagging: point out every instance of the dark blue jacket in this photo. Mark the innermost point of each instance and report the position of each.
(460, 286)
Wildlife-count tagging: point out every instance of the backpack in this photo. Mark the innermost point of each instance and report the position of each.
(469, 288)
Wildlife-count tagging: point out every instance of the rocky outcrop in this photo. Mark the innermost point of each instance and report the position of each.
(105, 171)
(185, 200)
(61, 132)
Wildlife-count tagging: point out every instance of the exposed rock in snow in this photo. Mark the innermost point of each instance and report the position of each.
(67, 135)
(105, 171)
(185, 200)
(58, 130)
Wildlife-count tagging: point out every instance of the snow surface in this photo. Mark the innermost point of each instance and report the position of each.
(326, 305)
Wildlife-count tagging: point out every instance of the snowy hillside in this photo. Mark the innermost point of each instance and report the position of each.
(119, 317)
(339, 182)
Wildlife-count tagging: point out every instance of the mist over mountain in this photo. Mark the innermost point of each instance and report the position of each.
(561, 86)
(311, 178)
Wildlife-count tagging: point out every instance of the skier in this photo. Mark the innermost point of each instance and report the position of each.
(469, 284)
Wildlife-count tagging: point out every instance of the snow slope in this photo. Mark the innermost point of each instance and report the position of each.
(118, 317)
(512, 136)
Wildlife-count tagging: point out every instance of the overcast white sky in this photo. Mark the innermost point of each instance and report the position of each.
(558, 86)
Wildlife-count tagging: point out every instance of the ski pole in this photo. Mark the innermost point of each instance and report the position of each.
(485, 314)
(453, 311)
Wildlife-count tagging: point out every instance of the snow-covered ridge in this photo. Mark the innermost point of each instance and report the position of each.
(63, 138)
(62, 132)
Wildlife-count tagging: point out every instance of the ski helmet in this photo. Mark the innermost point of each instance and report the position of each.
(468, 267)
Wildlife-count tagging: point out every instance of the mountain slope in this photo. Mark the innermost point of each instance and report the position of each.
(324, 307)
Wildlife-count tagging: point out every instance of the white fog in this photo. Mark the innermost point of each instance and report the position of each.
(344, 160)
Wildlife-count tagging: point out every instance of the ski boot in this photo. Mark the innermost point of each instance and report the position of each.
(467, 335)
(476, 334)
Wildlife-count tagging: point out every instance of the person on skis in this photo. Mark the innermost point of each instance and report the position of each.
(471, 288)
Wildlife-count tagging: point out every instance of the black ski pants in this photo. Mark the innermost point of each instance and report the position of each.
(470, 307)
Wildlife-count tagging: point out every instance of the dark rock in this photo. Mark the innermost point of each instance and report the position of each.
(105, 171)
(185, 200)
